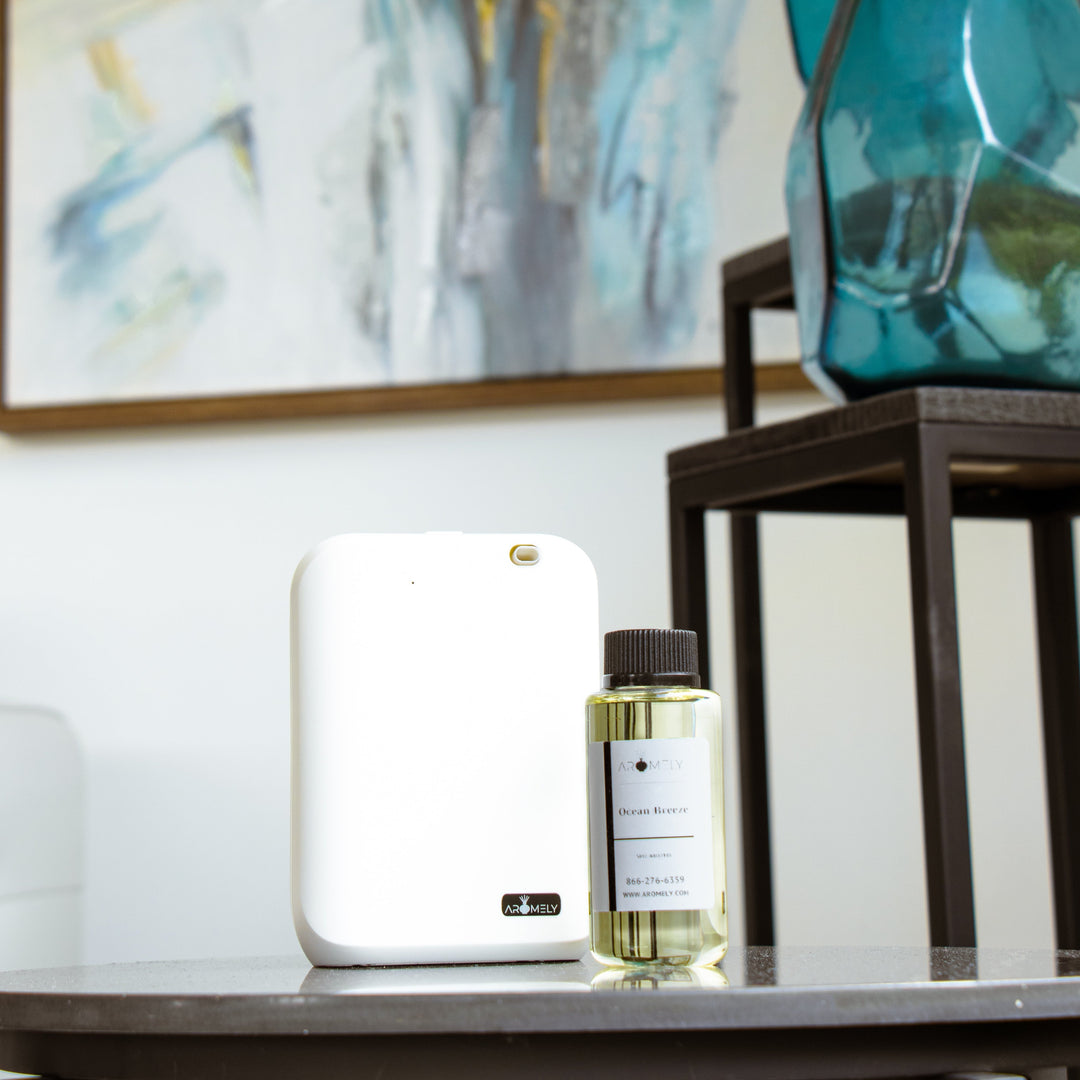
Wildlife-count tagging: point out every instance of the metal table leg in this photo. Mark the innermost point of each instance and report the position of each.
(928, 498)
(750, 697)
(1059, 675)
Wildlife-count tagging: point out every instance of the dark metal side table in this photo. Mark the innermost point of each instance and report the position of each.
(788, 1014)
(930, 454)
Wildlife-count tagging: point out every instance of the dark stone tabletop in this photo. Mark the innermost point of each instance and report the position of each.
(787, 1012)
(755, 987)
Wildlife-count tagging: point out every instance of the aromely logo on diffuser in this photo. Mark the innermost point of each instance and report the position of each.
(548, 903)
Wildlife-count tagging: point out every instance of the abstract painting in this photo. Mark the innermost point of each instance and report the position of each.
(211, 198)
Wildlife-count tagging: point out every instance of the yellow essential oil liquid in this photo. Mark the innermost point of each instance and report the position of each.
(656, 806)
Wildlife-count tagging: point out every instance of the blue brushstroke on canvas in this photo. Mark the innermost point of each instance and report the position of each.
(97, 251)
(658, 112)
(624, 230)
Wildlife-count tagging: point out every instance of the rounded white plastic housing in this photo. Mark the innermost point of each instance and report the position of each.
(438, 749)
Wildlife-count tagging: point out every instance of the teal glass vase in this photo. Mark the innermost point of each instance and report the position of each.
(808, 20)
(933, 191)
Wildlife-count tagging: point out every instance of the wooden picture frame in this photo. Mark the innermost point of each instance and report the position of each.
(79, 410)
(556, 390)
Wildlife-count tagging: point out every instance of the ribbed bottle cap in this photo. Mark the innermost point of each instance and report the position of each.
(651, 658)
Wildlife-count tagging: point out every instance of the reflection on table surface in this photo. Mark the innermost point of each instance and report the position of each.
(789, 966)
(508, 978)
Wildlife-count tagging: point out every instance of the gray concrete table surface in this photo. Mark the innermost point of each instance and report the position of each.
(787, 1012)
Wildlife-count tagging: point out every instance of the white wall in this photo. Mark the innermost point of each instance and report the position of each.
(144, 584)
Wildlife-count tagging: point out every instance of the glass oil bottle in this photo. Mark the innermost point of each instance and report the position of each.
(656, 807)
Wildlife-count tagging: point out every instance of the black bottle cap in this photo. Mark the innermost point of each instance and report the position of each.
(651, 658)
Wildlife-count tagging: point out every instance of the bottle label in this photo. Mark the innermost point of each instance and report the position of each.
(650, 823)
